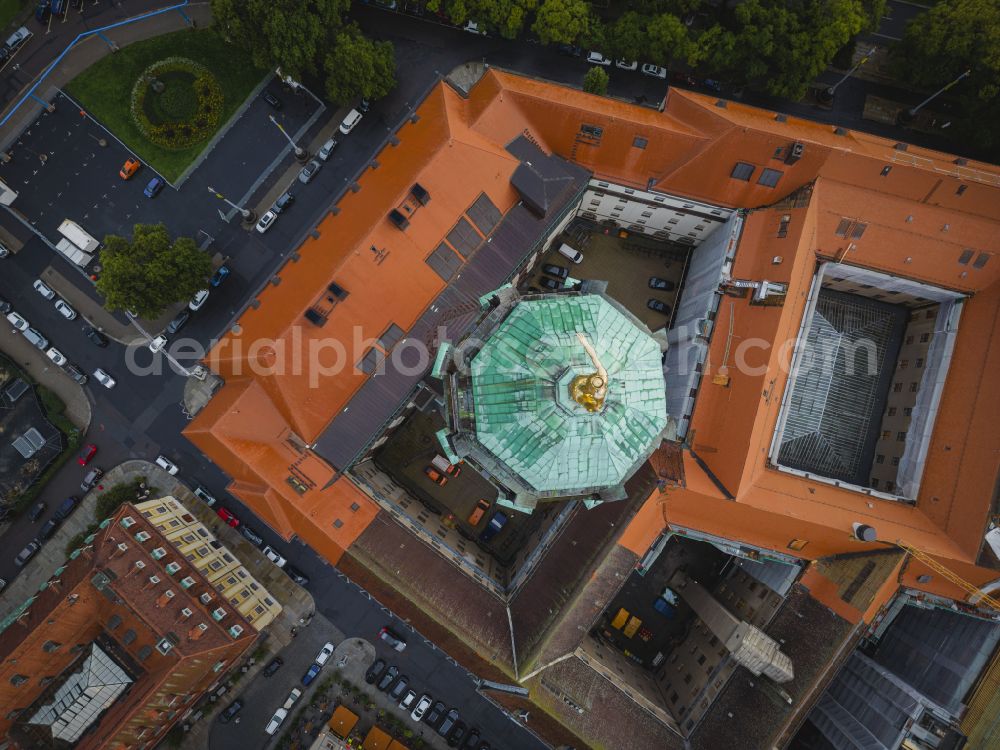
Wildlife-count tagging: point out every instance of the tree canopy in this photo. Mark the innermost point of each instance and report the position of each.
(596, 81)
(562, 21)
(939, 45)
(288, 33)
(357, 66)
(149, 272)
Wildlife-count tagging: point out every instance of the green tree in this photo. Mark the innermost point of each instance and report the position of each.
(596, 81)
(358, 67)
(562, 21)
(149, 273)
(668, 40)
(506, 16)
(627, 38)
(942, 43)
(288, 33)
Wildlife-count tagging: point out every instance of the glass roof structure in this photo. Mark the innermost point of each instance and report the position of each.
(529, 411)
(83, 697)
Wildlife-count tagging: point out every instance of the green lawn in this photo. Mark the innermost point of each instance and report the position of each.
(9, 10)
(104, 89)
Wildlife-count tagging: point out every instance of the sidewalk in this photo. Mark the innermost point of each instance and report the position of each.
(45, 372)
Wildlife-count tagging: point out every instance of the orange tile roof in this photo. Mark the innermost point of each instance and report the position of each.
(918, 224)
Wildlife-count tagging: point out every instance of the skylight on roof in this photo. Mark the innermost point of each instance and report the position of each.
(742, 171)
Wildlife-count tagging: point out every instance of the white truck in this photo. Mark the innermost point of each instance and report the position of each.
(73, 253)
(75, 234)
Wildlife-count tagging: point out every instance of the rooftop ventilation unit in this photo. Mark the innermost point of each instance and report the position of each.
(127, 521)
(315, 317)
(795, 152)
(187, 582)
(218, 613)
(158, 553)
(398, 219)
(142, 536)
(235, 631)
(864, 532)
(337, 291)
(421, 194)
(173, 567)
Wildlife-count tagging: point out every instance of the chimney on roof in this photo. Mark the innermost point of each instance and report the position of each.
(197, 631)
(400, 221)
(164, 598)
(185, 614)
(420, 193)
(151, 582)
(961, 162)
(840, 131)
(795, 152)
(135, 567)
(901, 146)
(118, 551)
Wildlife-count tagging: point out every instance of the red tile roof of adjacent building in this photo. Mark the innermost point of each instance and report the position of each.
(922, 210)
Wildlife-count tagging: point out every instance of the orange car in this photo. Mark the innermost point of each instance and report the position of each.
(435, 476)
(477, 514)
(130, 167)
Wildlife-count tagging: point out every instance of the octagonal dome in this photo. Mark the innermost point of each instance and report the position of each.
(533, 427)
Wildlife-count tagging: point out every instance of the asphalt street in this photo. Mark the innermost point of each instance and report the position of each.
(142, 416)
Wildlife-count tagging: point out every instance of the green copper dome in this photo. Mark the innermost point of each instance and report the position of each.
(528, 421)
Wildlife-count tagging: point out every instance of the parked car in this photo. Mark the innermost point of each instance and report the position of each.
(655, 282)
(231, 710)
(660, 307)
(18, 38)
(19, 323)
(596, 58)
(440, 463)
(96, 337)
(157, 344)
(350, 122)
(76, 373)
(129, 168)
(477, 513)
(271, 99)
(388, 678)
(435, 476)
(457, 734)
(204, 495)
(65, 310)
(36, 338)
(180, 319)
(548, 283)
(392, 639)
(43, 289)
(272, 666)
(91, 478)
(87, 454)
(296, 575)
(324, 654)
(560, 272)
(399, 688)
(494, 527)
(285, 200)
(265, 221)
(56, 356)
(252, 536)
(408, 700)
(311, 673)
(4, 250)
(292, 697)
(5, 306)
(272, 554)
(326, 149)
(198, 301)
(67, 506)
(42, 11)
(448, 723)
(473, 28)
(434, 716)
(570, 252)
(570, 50)
(29, 551)
(153, 187)
(220, 275)
(374, 671)
(275, 722)
(48, 529)
(654, 71)
(37, 511)
(627, 64)
(472, 740)
(228, 517)
(421, 708)
(167, 465)
(363, 106)
(308, 172)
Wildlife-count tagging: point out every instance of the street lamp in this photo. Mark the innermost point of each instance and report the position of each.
(912, 112)
(827, 95)
(300, 153)
(246, 213)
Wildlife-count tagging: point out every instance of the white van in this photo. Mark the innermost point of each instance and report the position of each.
(37, 339)
(574, 255)
(350, 122)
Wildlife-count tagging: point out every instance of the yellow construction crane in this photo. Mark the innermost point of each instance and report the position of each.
(940, 569)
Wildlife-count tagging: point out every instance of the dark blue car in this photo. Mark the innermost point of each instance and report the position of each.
(153, 187)
(311, 674)
(493, 528)
(220, 275)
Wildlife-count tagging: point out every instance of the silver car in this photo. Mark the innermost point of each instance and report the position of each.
(309, 172)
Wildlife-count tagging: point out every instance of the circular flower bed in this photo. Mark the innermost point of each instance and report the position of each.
(176, 103)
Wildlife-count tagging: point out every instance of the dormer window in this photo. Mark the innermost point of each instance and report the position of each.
(128, 521)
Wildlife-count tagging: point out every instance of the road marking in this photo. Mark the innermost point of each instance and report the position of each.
(886, 36)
